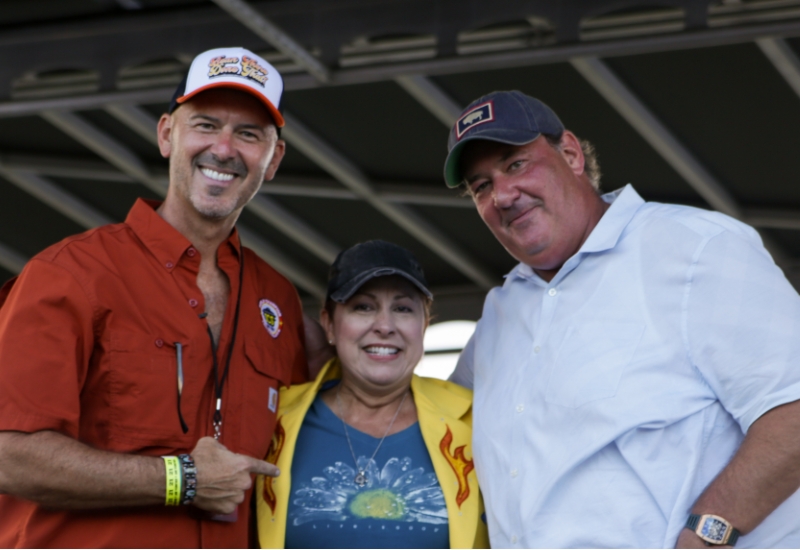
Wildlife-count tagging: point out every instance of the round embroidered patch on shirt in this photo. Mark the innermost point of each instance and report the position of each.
(271, 317)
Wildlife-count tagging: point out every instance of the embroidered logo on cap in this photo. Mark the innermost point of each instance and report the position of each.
(230, 66)
(479, 114)
(271, 317)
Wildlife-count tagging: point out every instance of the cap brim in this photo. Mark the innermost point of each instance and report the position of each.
(452, 172)
(273, 111)
(347, 290)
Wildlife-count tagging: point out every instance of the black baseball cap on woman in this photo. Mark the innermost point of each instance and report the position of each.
(365, 261)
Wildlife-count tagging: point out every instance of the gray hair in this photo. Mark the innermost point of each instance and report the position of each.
(591, 167)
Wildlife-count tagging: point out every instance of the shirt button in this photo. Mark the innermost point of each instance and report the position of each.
(514, 539)
(552, 292)
(520, 408)
(514, 472)
(537, 349)
(159, 342)
(193, 302)
(169, 265)
(191, 252)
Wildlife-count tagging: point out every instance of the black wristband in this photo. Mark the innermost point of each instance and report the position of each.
(189, 479)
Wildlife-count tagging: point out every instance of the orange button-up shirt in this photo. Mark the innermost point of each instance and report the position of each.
(87, 348)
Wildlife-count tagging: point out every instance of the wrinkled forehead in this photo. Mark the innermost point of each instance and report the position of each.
(482, 150)
(226, 103)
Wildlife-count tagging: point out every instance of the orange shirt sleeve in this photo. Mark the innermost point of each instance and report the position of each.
(46, 341)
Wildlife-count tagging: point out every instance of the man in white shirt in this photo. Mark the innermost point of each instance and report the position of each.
(639, 371)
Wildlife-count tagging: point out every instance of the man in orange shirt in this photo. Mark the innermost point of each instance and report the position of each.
(140, 362)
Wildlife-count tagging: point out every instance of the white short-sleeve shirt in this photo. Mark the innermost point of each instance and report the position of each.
(607, 399)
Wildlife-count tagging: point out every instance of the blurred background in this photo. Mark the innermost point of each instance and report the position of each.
(691, 101)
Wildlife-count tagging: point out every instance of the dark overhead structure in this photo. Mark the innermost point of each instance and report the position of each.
(691, 101)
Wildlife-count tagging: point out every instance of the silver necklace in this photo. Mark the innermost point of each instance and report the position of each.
(361, 476)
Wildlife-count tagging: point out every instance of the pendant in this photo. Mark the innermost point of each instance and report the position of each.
(361, 479)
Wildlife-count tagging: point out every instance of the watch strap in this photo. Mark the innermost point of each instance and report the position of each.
(694, 521)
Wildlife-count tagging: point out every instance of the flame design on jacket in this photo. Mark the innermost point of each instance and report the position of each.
(460, 465)
(275, 448)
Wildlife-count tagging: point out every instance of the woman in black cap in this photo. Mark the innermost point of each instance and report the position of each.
(371, 455)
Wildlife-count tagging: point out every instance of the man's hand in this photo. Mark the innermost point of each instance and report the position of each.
(223, 477)
(763, 473)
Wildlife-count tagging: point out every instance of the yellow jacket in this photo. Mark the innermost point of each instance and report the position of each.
(444, 411)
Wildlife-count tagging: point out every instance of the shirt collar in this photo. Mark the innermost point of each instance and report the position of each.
(624, 204)
(166, 243)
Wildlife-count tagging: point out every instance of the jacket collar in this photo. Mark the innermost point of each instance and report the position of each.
(430, 393)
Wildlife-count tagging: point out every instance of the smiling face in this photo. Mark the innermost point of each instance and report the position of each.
(222, 145)
(378, 334)
(535, 199)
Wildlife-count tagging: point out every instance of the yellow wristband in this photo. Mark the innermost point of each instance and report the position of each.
(173, 470)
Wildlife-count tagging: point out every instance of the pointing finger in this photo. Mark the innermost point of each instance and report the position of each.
(262, 467)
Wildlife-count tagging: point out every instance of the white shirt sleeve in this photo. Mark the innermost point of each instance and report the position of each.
(465, 372)
(742, 326)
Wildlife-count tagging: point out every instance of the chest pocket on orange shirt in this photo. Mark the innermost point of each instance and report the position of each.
(269, 367)
(142, 391)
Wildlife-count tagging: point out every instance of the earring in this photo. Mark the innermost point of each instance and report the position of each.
(330, 342)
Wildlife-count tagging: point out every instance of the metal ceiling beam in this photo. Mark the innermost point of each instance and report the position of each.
(130, 4)
(447, 65)
(56, 198)
(284, 184)
(631, 108)
(558, 53)
(441, 105)
(608, 85)
(269, 31)
(397, 192)
(11, 260)
(63, 167)
(324, 188)
(105, 146)
(281, 262)
(137, 119)
(784, 59)
(294, 227)
(121, 157)
(772, 218)
(29, 107)
(341, 168)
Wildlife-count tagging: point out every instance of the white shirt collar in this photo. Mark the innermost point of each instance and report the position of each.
(624, 204)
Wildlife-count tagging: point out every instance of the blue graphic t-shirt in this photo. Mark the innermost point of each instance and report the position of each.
(400, 506)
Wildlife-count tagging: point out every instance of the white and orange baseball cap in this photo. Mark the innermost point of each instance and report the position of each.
(235, 68)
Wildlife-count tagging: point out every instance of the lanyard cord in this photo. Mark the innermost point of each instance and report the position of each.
(220, 383)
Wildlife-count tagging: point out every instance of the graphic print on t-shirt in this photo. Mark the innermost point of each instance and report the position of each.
(397, 492)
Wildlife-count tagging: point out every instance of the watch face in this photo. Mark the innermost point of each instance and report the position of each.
(714, 530)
